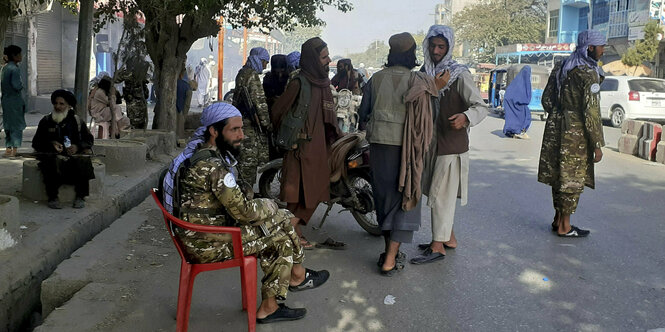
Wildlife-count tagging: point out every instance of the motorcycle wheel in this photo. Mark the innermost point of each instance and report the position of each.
(269, 185)
(362, 185)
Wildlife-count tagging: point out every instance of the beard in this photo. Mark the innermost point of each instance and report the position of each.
(58, 116)
(224, 145)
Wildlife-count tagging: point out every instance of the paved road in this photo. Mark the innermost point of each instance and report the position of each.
(510, 273)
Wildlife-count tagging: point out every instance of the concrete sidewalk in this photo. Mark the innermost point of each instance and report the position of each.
(47, 237)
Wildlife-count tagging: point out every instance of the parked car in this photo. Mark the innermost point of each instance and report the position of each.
(629, 97)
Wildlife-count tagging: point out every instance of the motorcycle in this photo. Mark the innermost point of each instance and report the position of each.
(353, 191)
(346, 107)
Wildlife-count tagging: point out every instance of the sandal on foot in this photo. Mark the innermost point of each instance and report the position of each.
(283, 313)
(312, 280)
(575, 232)
(329, 243)
(389, 273)
(399, 258)
(424, 246)
(428, 256)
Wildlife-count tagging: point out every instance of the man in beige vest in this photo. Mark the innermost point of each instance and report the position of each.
(447, 170)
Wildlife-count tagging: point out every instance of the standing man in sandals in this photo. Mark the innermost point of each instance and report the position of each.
(573, 135)
(305, 171)
(397, 108)
(446, 174)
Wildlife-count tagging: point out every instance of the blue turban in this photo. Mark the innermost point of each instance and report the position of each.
(293, 60)
(580, 57)
(261, 52)
(254, 62)
(212, 114)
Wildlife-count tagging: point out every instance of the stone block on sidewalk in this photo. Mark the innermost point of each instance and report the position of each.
(628, 144)
(157, 141)
(632, 127)
(10, 219)
(660, 152)
(121, 155)
(33, 183)
(193, 120)
(651, 134)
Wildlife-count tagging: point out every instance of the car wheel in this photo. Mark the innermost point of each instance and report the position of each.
(617, 116)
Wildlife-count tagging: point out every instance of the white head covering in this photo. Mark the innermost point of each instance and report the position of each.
(447, 63)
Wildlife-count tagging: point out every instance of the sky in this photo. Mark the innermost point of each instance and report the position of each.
(370, 20)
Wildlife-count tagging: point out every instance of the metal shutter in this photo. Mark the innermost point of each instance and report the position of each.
(49, 50)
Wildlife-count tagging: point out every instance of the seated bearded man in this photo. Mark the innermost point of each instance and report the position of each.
(62, 141)
(201, 187)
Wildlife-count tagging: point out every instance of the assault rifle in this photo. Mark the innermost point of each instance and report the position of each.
(248, 110)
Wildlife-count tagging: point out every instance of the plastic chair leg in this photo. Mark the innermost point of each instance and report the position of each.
(249, 290)
(184, 296)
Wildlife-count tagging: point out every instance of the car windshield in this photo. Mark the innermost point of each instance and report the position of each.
(647, 85)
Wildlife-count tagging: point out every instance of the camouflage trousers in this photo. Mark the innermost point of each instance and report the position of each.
(253, 153)
(137, 112)
(276, 252)
(565, 203)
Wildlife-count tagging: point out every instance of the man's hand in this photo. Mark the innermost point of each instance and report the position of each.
(458, 121)
(57, 146)
(441, 79)
(72, 150)
(597, 155)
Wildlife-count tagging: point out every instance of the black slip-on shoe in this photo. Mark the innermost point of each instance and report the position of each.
(428, 256)
(575, 232)
(312, 280)
(283, 313)
(424, 246)
(79, 203)
(400, 258)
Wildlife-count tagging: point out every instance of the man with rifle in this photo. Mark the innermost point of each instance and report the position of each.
(250, 99)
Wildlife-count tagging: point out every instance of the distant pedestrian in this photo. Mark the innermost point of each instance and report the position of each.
(13, 105)
(135, 92)
(274, 82)
(447, 168)
(573, 135)
(108, 117)
(516, 105)
(182, 102)
(202, 77)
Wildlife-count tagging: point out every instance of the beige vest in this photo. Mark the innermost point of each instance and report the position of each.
(386, 123)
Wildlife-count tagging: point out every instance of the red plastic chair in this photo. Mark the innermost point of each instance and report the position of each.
(188, 271)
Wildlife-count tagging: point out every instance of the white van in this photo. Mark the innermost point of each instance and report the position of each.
(629, 97)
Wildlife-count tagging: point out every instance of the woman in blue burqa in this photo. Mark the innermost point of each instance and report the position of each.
(516, 105)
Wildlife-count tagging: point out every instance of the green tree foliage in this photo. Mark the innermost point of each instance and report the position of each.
(645, 49)
(172, 26)
(294, 39)
(492, 23)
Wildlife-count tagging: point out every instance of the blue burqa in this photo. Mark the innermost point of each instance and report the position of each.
(516, 104)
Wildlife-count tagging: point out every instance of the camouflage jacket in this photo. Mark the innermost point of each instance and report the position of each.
(133, 91)
(248, 78)
(572, 132)
(211, 196)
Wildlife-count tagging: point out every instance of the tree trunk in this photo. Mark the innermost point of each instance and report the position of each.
(165, 114)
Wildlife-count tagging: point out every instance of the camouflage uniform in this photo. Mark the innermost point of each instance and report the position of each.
(572, 132)
(209, 185)
(135, 94)
(254, 149)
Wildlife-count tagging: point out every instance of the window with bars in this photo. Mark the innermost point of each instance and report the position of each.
(554, 23)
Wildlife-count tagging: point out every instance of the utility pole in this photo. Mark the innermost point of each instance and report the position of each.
(220, 60)
(83, 53)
